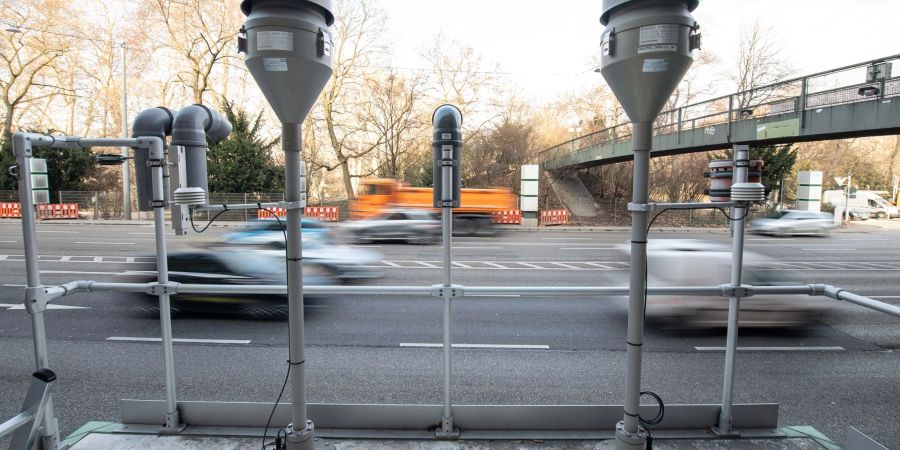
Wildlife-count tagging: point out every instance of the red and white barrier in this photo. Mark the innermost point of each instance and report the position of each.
(57, 211)
(323, 213)
(10, 210)
(509, 216)
(554, 217)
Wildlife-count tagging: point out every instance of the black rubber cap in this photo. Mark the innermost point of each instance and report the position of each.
(45, 375)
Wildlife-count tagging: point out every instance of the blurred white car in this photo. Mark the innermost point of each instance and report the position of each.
(686, 262)
(790, 223)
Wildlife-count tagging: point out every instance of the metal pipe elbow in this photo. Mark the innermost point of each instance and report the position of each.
(195, 123)
(153, 122)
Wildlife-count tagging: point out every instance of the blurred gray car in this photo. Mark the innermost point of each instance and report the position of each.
(792, 223)
(686, 262)
(411, 225)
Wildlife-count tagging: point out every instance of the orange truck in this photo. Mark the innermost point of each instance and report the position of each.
(472, 217)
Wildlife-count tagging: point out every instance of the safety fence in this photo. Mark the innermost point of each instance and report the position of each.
(10, 210)
(554, 217)
(323, 213)
(44, 212)
(508, 217)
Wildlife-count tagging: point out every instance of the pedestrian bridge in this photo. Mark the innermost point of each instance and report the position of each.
(853, 101)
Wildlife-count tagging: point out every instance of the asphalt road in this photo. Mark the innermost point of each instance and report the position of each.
(842, 371)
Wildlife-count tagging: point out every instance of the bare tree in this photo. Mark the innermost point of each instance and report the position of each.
(393, 110)
(200, 32)
(358, 29)
(29, 54)
(759, 64)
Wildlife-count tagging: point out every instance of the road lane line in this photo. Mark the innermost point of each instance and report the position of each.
(571, 239)
(61, 232)
(185, 341)
(602, 266)
(588, 248)
(773, 349)
(568, 266)
(391, 264)
(459, 264)
(770, 239)
(105, 243)
(828, 249)
(478, 248)
(495, 265)
(530, 265)
(427, 264)
(489, 346)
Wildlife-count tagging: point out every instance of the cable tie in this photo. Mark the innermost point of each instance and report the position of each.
(638, 242)
(295, 363)
(632, 415)
(635, 345)
(295, 259)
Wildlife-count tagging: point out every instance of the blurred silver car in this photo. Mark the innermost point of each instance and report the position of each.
(410, 225)
(790, 223)
(685, 262)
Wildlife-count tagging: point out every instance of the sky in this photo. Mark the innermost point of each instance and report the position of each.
(548, 48)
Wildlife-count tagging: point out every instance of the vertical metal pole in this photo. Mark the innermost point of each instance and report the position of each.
(126, 174)
(629, 434)
(739, 175)
(300, 433)
(447, 229)
(173, 421)
(50, 438)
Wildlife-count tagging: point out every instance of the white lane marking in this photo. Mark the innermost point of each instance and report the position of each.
(588, 248)
(459, 264)
(478, 248)
(391, 263)
(828, 249)
(530, 265)
(186, 341)
(771, 239)
(105, 243)
(602, 266)
(49, 306)
(495, 265)
(67, 258)
(497, 346)
(427, 264)
(773, 349)
(567, 266)
(61, 232)
(862, 240)
(76, 272)
(571, 239)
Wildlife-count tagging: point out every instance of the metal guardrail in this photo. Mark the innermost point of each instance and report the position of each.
(810, 92)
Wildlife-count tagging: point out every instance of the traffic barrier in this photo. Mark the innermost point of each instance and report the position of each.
(509, 216)
(10, 210)
(323, 213)
(554, 217)
(57, 211)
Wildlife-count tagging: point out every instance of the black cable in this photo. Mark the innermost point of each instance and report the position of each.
(654, 218)
(654, 421)
(208, 223)
(746, 212)
(290, 364)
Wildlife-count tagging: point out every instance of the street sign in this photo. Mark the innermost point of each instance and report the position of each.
(841, 180)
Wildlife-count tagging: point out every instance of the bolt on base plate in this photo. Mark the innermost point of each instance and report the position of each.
(630, 441)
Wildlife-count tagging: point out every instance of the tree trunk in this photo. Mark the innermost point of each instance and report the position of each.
(345, 176)
(8, 121)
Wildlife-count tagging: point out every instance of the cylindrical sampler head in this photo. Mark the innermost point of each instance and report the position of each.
(446, 142)
(289, 51)
(646, 50)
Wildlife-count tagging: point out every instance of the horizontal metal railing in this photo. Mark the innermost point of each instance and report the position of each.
(790, 96)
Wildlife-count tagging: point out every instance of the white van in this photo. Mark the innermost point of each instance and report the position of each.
(867, 201)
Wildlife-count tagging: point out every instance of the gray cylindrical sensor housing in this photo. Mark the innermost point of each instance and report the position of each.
(446, 145)
(288, 47)
(191, 128)
(645, 51)
(149, 122)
